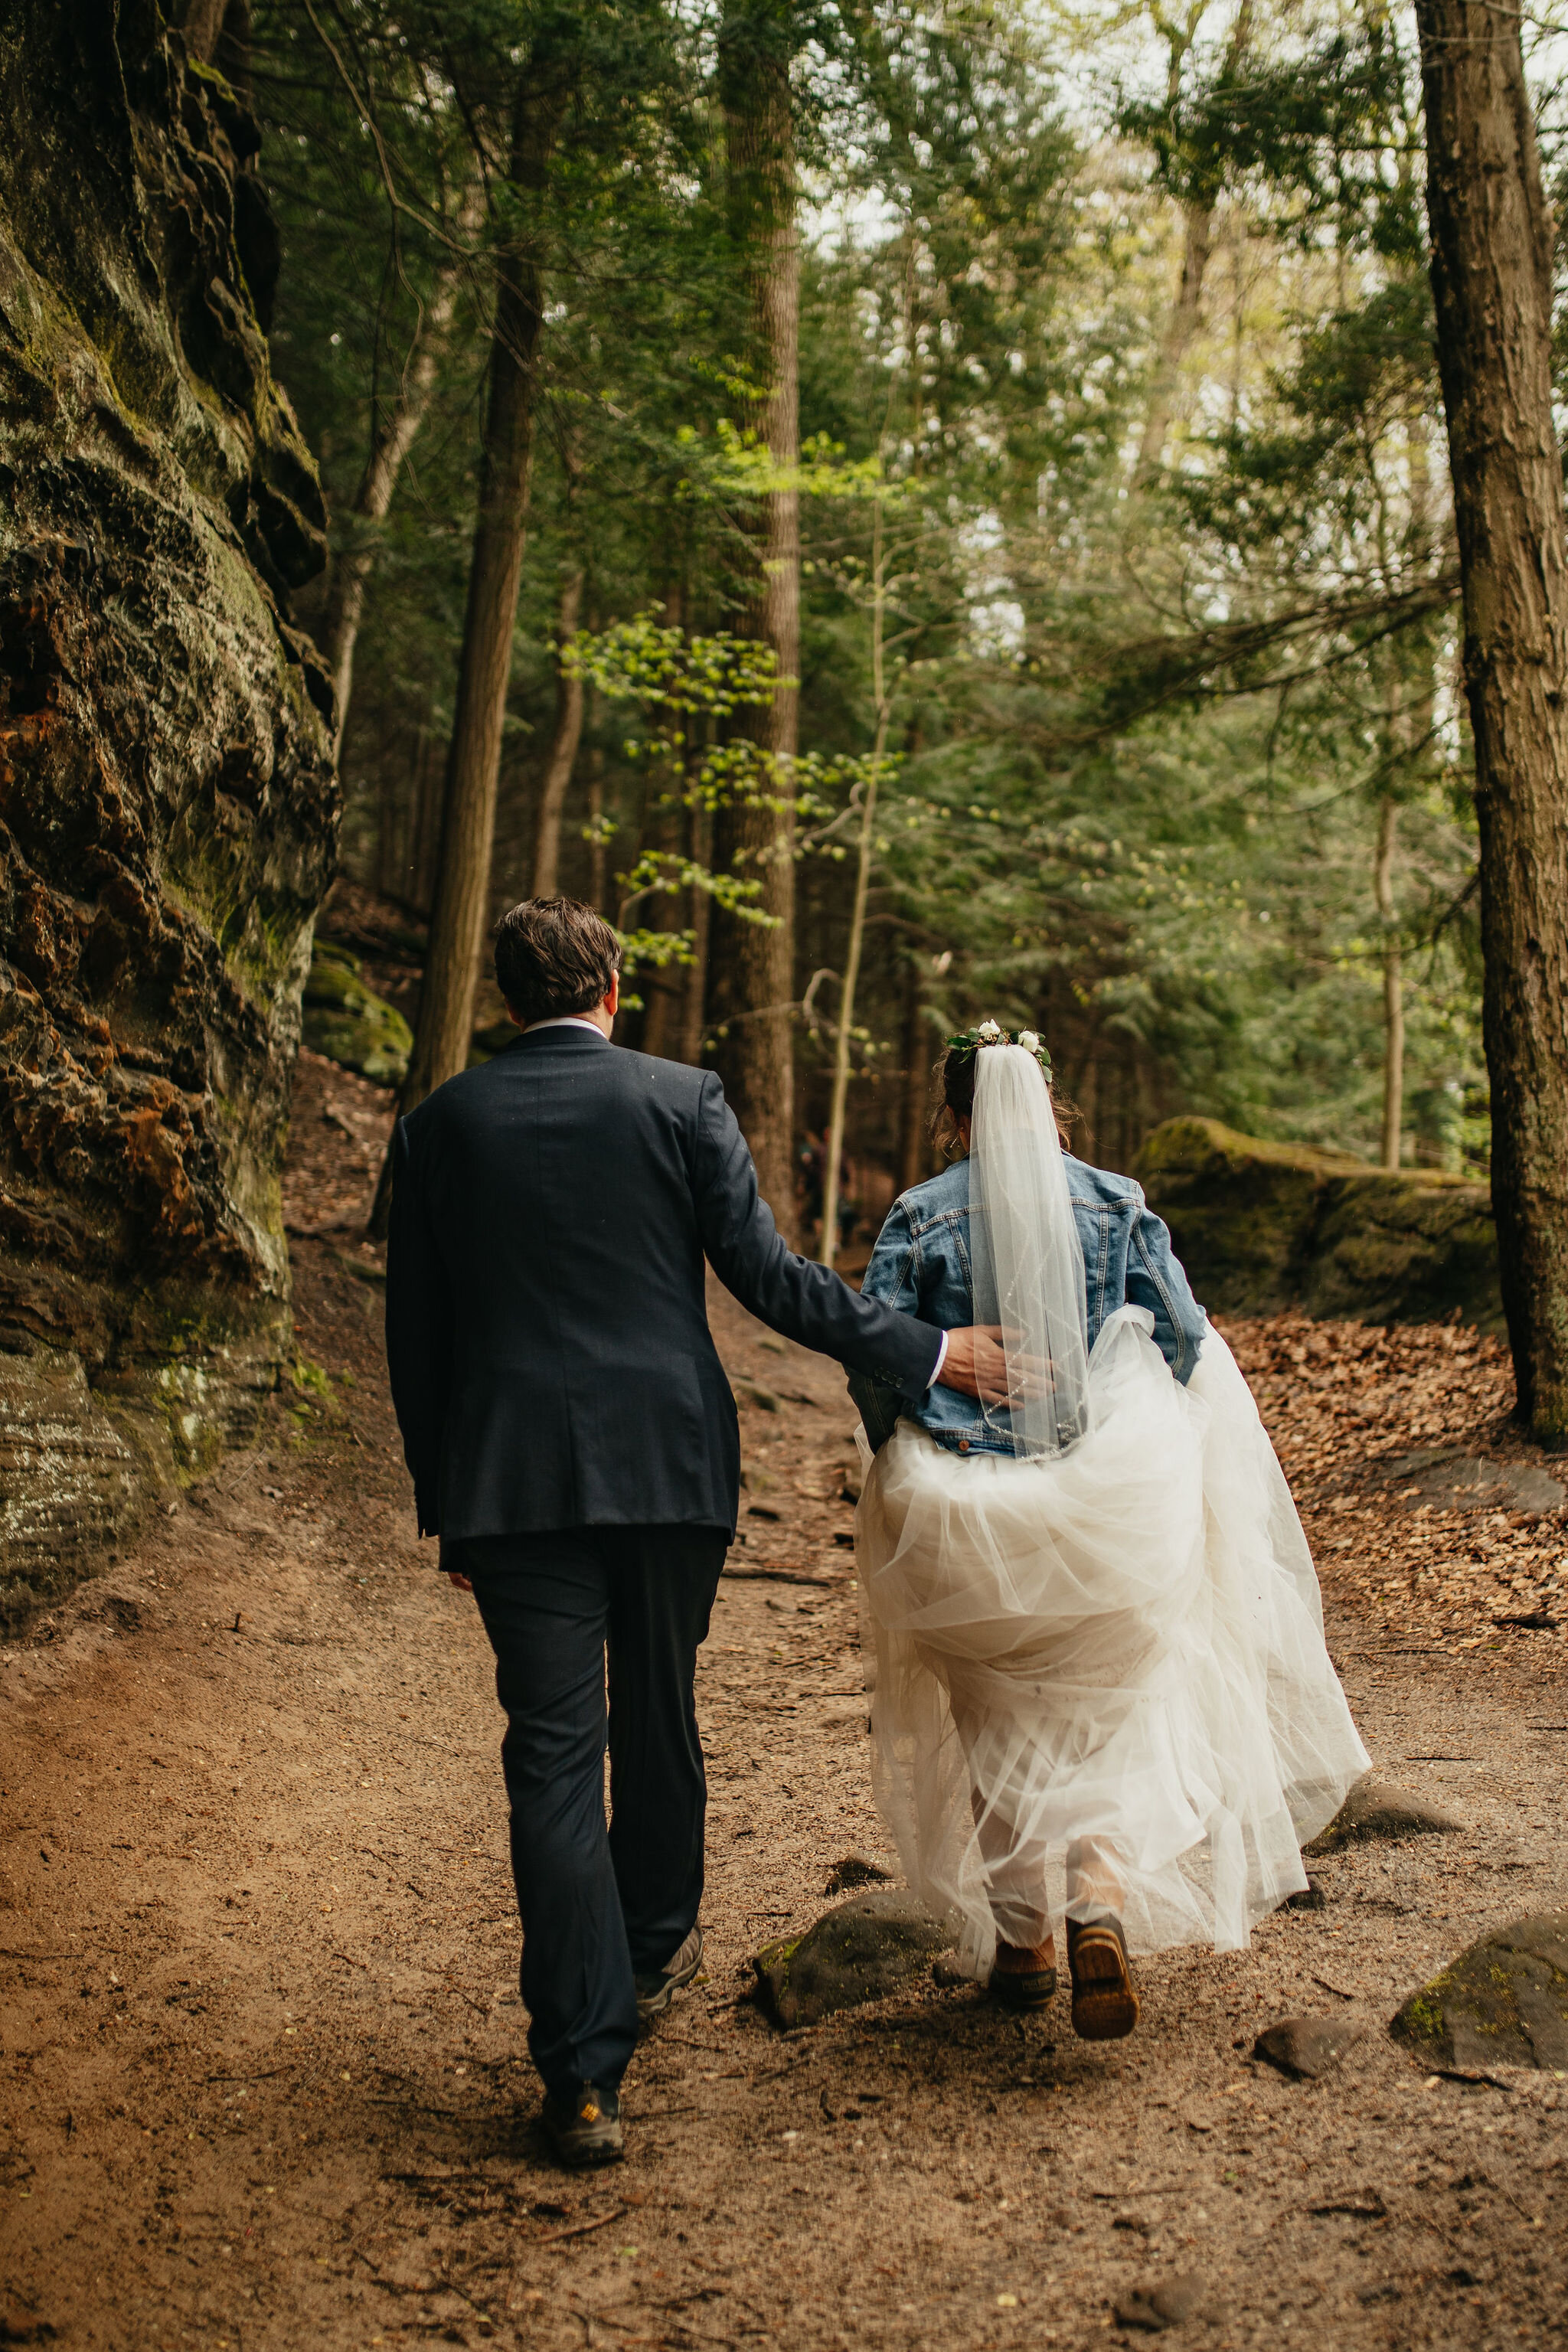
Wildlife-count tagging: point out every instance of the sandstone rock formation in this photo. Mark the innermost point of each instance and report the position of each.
(167, 804)
(1261, 1226)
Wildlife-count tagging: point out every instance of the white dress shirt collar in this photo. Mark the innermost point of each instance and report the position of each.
(566, 1021)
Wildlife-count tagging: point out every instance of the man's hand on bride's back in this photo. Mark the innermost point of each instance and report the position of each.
(976, 1363)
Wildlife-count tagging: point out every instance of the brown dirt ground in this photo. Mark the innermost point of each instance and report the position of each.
(264, 2083)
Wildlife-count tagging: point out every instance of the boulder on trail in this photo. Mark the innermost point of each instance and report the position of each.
(1261, 1226)
(1503, 2003)
(859, 1952)
(1375, 1808)
(1307, 2047)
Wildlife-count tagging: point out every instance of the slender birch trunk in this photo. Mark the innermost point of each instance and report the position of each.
(865, 852)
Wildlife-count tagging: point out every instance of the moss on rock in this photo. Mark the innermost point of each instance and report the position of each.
(859, 1952)
(170, 806)
(1503, 2003)
(344, 1019)
(1265, 1226)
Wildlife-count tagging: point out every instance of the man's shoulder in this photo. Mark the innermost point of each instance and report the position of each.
(674, 1086)
(680, 1082)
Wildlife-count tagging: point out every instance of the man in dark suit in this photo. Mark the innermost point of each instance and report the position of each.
(573, 1443)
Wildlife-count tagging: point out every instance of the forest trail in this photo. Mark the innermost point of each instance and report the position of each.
(264, 2082)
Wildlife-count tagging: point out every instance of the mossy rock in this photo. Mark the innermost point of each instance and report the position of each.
(1406, 1248)
(859, 1951)
(1263, 1226)
(1503, 2003)
(1375, 1810)
(345, 1019)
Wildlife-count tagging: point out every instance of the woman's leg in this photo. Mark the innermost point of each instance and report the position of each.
(1015, 1863)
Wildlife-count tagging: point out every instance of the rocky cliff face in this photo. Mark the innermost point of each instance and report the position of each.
(167, 804)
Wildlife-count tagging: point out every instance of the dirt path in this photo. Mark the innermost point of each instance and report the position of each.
(262, 2058)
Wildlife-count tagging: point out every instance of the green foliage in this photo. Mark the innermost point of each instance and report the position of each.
(1135, 736)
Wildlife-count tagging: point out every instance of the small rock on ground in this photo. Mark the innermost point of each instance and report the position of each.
(856, 1870)
(1503, 2003)
(1307, 2047)
(1156, 2304)
(859, 1952)
(1375, 1808)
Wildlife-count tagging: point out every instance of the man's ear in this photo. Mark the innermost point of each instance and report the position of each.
(613, 995)
(515, 1018)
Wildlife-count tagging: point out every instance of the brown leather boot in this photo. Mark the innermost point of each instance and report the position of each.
(1104, 2005)
(1024, 1976)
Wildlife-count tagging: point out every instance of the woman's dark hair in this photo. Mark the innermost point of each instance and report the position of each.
(955, 1073)
(555, 956)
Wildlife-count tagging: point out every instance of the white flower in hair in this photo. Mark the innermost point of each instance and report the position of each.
(1029, 1041)
(988, 1031)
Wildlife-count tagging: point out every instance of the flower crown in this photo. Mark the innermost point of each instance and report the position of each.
(990, 1033)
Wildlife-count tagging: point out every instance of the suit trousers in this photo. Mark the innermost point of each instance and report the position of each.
(599, 1905)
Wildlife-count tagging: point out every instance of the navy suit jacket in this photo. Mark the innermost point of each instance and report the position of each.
(546, 1325)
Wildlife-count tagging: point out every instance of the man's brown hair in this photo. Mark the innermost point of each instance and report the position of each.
(555, 956)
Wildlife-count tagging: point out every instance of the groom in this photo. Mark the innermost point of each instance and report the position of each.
(573, 1443)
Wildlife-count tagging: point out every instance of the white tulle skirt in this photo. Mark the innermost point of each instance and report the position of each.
(1102, 1680)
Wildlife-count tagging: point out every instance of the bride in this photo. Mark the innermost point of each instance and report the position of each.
(1101, 1692)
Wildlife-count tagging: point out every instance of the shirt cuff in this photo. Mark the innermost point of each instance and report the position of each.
(940, 1360)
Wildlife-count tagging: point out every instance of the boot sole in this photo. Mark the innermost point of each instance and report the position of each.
(1104, 2006)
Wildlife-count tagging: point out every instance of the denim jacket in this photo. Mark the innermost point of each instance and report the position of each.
(920, 1265)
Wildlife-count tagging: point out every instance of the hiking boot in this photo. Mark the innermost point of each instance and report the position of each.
(585, 2129)
(1025, 1976)
(1104, 2005)
(655, 1992)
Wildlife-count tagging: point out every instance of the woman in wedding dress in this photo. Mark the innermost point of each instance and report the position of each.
(1101, 1692)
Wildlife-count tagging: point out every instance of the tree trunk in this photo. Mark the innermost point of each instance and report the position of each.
(598, 848)
(914, 1141)
(1492, 278)
(695, 1004)
(563, 741)
(1181, 329)
(468, 816)
(1393, 986)
(424, 828)
(865, 851)
(1197, 247)
(753, 966)
(393, 438)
